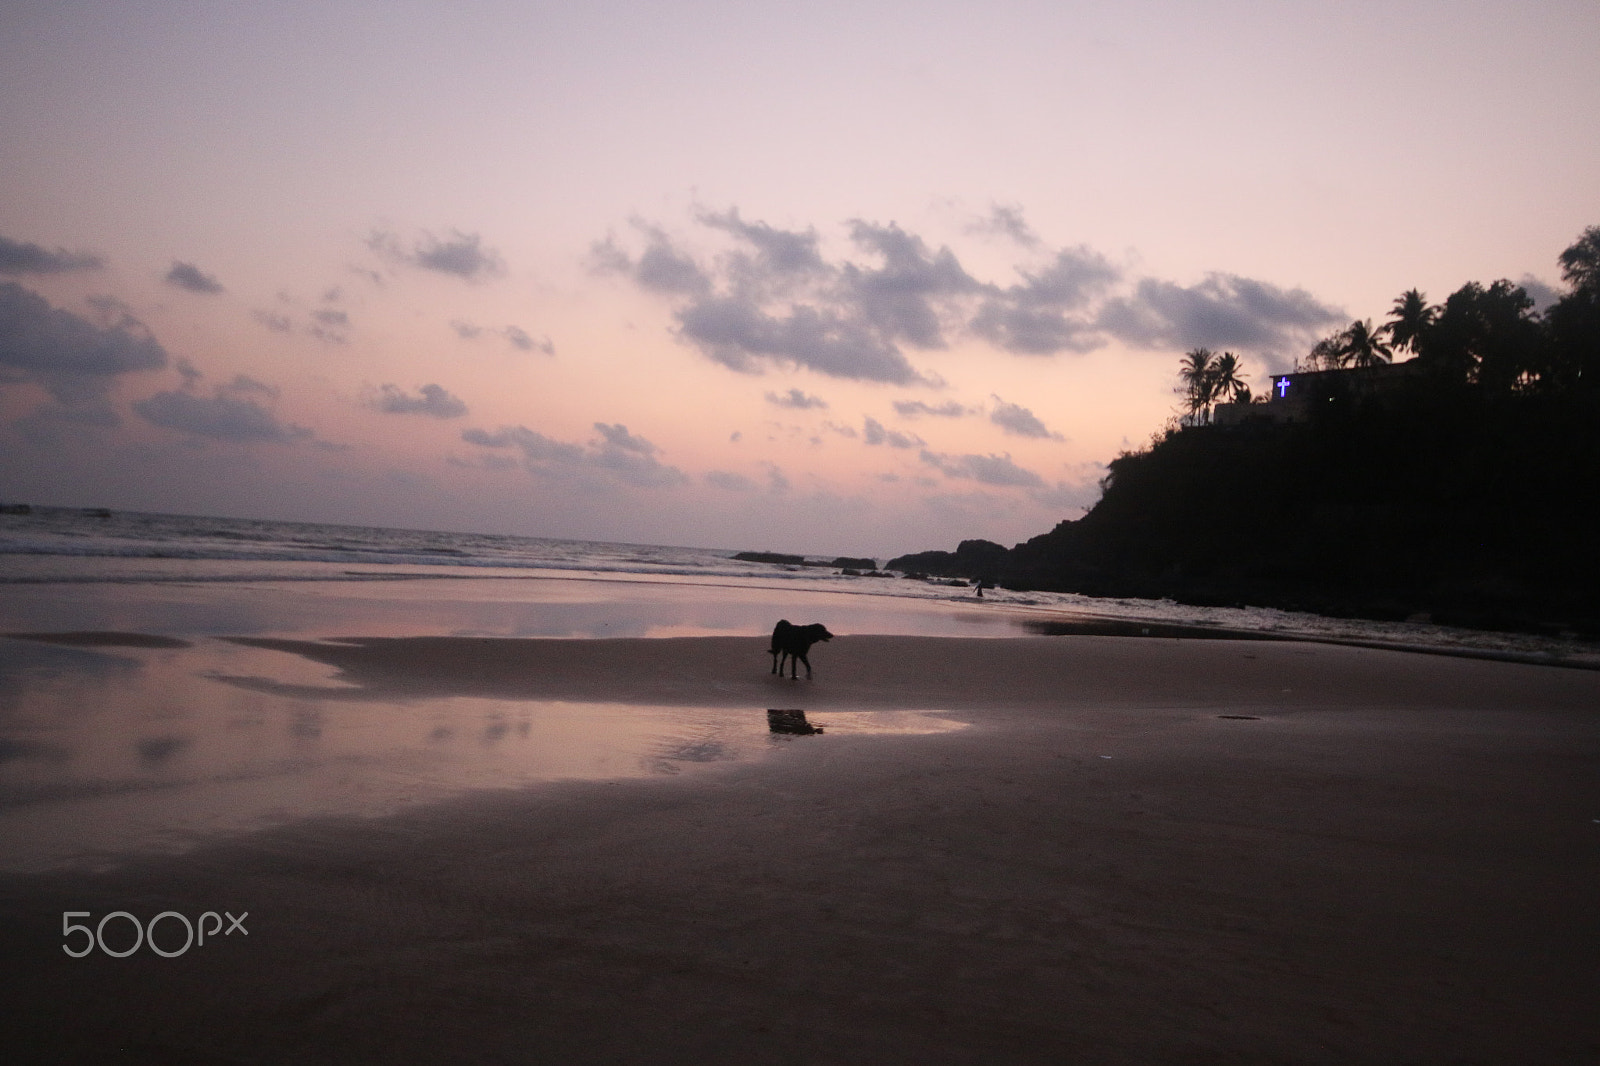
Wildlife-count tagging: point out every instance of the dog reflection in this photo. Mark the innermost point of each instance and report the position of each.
(792, 722)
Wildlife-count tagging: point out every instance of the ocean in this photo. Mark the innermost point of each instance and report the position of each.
(50, 551)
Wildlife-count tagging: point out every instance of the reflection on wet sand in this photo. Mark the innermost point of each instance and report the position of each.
(791, 722)
(109, 747)
(107, 614)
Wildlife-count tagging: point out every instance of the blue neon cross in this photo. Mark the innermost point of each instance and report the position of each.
(1283, 386)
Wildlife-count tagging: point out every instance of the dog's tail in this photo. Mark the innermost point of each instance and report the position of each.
(783, 625)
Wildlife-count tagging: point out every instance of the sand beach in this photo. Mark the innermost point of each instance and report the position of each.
(1000, 849)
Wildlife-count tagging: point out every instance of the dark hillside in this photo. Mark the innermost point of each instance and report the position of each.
(1472, 508)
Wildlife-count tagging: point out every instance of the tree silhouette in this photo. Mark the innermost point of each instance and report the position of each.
(1410, 320)
(1488, 337)
(1197, 372)
(1328, 353)
(1573, 324)
(1364, 346)
(1225, 379)
(1580, 264)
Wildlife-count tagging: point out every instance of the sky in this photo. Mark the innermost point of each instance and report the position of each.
(860, 279)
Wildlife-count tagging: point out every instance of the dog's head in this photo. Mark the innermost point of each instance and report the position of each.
(822, 632)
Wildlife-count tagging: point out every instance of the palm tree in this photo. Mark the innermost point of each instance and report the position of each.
(1225, 379)
(1364, 346)
(1410, 320)
(1197, 371)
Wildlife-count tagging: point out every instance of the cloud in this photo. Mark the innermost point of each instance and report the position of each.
(873, 432)
(617, 436)
(463, 255)
(738, 334)
(19, 257)
(996, 470)
(276, 321)
(521, 341)
(187, 276)
(535, 446)
(242, 384)
(516, 336)
(1223, 311)
(661, 267)
(842, 430)
(729, 481)
(72, 358)
(1041, 315)
(796, 400)
(914, 408)
(433, 401)
(1019, 421)
(783, 252)
(1007, 221)
(1066, 496)
(1544, 296)
(618, 456)
(330, 324)
(902, 297)
(227, 415)
(774, 300)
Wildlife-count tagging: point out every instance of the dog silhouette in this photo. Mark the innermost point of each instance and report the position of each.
(792, 642)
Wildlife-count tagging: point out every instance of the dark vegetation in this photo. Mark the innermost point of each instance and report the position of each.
(1468, 491)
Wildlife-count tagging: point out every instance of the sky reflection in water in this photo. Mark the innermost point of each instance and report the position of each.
(487, 607)
(107, 751)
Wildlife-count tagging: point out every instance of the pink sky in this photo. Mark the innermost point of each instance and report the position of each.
(863, 278)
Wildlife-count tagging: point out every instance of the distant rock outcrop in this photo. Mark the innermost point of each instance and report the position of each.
(979, 559)
(771, 557)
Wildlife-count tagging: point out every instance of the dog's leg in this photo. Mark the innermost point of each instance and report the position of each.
(807, 660)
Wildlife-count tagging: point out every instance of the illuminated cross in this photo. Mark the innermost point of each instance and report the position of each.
(1283, 387)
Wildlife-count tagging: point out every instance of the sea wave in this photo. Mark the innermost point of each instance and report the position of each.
(67, 546)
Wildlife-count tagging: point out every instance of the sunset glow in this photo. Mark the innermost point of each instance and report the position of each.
(853, 279)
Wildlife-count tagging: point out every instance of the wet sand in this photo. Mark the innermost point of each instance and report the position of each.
(1141, 850)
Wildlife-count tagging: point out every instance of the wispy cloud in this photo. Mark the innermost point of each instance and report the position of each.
(461, 255)
(516, 336)
(431, 400)
(1019, 421)
(25, 257)
(997, 470)
(190, 278)
(232, 413)
(873, 432)
(796, 400)
(917, 408)
(617, 457)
